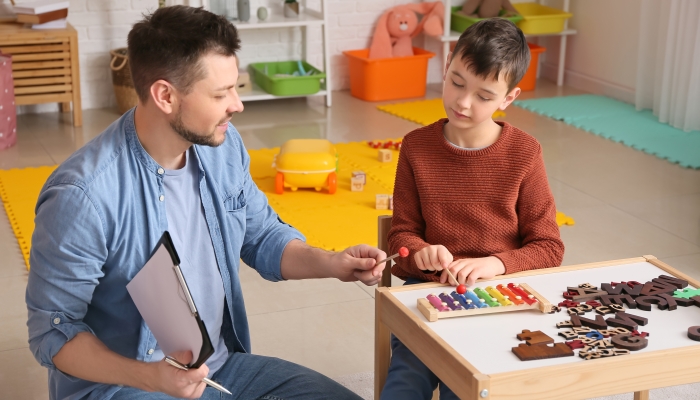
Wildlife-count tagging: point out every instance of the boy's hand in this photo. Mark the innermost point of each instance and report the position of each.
(468, 270)
(433, 258)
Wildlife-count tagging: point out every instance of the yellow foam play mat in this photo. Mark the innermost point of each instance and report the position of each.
(423, 112)
(332, 222)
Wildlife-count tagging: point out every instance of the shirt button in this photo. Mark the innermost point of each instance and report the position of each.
(150, 351)
(161, 198)
(56, 321)
(161, 171)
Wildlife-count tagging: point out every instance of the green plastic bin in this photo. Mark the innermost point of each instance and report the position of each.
(264, 76)
(460, 22)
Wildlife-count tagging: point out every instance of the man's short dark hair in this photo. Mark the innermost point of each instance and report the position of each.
(494, 46)
(170, 43)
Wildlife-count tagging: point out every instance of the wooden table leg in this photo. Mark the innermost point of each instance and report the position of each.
(641, 395)
(65, 107)
(382, 345)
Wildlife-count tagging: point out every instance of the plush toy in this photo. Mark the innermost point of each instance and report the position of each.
(398, 25)
(488, 8)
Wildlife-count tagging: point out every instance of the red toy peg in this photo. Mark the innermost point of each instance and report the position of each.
(461, 289)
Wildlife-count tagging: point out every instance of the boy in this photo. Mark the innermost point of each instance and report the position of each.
(471, 194)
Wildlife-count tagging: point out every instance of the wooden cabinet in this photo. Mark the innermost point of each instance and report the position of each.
(44, 66)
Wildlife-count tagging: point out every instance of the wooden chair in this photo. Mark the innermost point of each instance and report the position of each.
(383, 225)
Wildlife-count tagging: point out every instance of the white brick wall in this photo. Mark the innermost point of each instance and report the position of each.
(104, 24)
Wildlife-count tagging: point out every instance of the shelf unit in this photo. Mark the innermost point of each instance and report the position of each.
(452, 36)
(307, 18)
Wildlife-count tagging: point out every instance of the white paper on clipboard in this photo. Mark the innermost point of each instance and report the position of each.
(161, 301)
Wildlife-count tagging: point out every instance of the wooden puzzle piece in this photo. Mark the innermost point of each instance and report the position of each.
(686, 293)
(694, 333)
(587, 286)
(645, 302)
(629, 342)
(595, 335)
(603, 343)
(671, 280)
(593, 303)
(575, 344)
(654, 288)
(642, 334)
(628, 321)
(542, 351)
(597, 323)
(619, 289)
(620, 299)
(580, 309)
(535, 337)
(500, 298)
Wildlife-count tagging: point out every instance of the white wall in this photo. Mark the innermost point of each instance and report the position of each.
(104, 24)
(602, 57)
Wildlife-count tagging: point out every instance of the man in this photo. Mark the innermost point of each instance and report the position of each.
(173, 163)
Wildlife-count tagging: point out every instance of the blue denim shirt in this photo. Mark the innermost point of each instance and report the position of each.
(99, 216)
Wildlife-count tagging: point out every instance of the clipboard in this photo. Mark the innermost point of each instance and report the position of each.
(161, 295)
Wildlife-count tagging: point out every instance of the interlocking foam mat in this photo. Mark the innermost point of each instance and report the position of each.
(19, 190)
(423, 112)
(332, 222)
(622, 123)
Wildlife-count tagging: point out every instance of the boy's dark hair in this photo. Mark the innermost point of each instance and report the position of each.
(170, 43)
(494, 46)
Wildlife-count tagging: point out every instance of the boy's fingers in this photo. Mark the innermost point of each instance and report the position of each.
(434, 259)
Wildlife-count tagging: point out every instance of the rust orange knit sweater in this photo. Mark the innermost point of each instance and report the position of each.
(477, 203)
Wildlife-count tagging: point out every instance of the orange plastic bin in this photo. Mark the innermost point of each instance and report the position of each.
(530, 78)
(388, 78)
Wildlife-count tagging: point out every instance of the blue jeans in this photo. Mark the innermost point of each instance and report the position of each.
(409, 378)
(251, 377)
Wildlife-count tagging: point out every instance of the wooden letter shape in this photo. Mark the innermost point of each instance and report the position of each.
(597, 323)
(534, 338)
(628, 321)
(653, 288)
(670, 300)
(619, 299)
(541, 351)
(645, 302)
(671, 280)
(629, 342)
(583, 294)
(618, 289)
(694, 333)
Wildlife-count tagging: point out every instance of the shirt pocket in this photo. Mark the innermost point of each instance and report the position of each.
(235, 221)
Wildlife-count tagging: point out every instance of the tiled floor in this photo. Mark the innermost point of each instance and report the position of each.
(625, 204)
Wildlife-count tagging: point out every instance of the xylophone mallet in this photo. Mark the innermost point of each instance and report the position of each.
(403, 252)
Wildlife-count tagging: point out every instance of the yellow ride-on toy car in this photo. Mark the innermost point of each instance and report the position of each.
(306, 163)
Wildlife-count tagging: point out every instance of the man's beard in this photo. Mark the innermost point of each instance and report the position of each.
(204, 140)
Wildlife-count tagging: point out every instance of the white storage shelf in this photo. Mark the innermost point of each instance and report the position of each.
(307, 17)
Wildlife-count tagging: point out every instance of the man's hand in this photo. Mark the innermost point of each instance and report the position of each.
(433, 258)
(468, 270)
(358, 263)
(178, 383)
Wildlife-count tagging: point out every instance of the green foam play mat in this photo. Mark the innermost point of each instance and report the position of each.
(621, 123)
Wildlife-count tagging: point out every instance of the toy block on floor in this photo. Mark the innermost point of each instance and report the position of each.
(357, 184)
(382, 202)
(360, 175)
(384, 155)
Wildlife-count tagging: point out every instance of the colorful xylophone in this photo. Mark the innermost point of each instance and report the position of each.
(502, 298)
